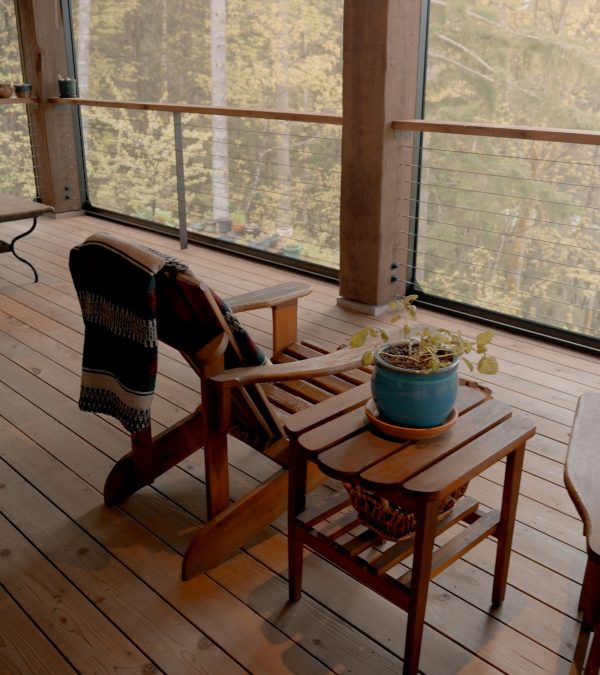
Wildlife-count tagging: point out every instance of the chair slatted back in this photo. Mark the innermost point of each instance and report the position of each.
(188, 318)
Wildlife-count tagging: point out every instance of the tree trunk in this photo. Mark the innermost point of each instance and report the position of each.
(282, 102)
(220, 132)
(83, 48)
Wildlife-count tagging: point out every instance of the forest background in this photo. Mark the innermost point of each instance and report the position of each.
(507, 225)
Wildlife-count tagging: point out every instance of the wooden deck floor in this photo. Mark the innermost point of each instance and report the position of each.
(90, 589)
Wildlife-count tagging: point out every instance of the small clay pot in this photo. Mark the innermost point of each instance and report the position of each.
(23, 90)
(6, 90)
(67, 88)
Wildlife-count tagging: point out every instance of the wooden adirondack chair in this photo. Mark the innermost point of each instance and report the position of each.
(248, 402)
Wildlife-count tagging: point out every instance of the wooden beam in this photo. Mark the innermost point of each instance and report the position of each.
(44, 54)
(381, 64)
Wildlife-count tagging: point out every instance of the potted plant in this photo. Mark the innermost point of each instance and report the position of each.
(292, 249)
(6, 89)
(238, 220)
(223, 225)
(67, 87)
(415, 379)
(23, 90)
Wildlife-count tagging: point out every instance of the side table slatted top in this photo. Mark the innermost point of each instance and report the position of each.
(12, 208)
(419, 484)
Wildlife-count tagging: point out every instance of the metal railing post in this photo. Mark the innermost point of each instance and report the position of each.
(180, 175)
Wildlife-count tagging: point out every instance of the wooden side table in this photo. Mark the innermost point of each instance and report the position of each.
(416, 476)
(18, 208)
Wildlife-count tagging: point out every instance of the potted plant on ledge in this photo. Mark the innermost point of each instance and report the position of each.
(415, 379)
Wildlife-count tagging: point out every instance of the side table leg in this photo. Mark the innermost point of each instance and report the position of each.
(296, 504)
(426, 517)
(510, 495)
(18, 257)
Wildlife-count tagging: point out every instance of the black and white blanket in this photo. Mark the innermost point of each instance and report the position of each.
(116, 286)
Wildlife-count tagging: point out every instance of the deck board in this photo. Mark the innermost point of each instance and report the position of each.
(53, 461)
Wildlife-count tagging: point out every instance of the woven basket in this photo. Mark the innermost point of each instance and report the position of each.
(388, 519)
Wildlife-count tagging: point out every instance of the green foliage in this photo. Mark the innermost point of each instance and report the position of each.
(16, 161)
(426, 349)
(503, 224)
(510, 225)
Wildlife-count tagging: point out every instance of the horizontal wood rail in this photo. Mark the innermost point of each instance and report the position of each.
(496, 131)
(313, 118)
(16, 99)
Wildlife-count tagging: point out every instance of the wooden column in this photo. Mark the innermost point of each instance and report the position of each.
(44, 54)
(381, 64)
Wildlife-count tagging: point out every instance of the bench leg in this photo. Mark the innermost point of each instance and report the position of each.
(592, 667)
(11, 248)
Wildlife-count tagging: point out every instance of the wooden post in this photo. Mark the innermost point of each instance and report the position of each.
(381, 72)
(44, 53)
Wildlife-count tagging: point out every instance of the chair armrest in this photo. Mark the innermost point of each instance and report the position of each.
(269, 297)
(327, 364)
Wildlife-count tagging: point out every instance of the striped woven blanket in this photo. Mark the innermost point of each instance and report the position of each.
(116, 287)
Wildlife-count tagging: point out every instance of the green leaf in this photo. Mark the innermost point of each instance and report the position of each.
(384, 335)
(368, 359)
(359, 338)
(487, 365)
(469, 363)
(484, 339)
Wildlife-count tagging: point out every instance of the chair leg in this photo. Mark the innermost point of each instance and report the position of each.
(151, 457)
(239, 523)
(235, 525)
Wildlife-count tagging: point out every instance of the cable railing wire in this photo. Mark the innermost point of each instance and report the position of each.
(506, 196)
(501, 234)
(429, 167)
(482, 266)
(495, 213)
(483, 284)
(502, 156)
(509, 310)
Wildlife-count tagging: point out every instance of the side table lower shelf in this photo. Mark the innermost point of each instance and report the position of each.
(339, 536)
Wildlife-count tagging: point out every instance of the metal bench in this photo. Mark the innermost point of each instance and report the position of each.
(17, 208)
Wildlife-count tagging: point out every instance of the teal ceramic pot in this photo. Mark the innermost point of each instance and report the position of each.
(292, 250)
(411, 398)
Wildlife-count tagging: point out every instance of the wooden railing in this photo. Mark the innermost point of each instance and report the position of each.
(496, 131)
(284, 115)
(16, 99)
(177, 111)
